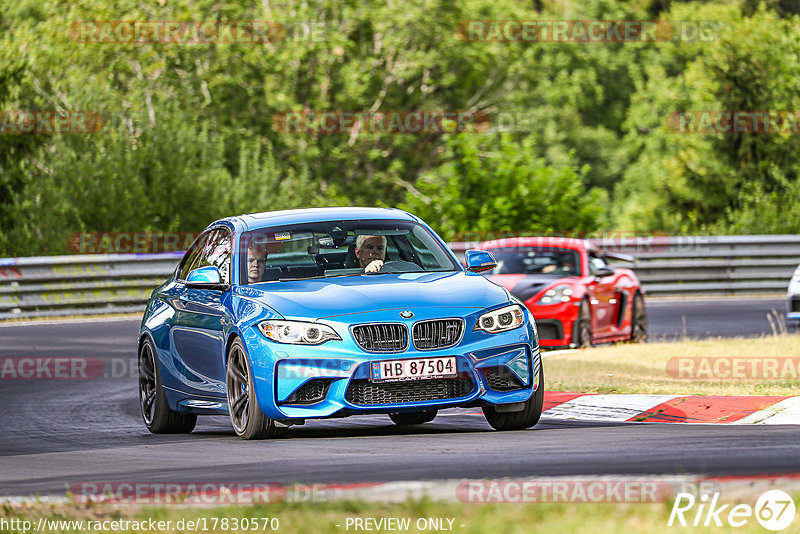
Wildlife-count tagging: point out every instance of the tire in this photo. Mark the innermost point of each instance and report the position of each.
(638, 319)
(414, 418)
(521, 420)
(156, 413)
(582, 330)
(247, 419)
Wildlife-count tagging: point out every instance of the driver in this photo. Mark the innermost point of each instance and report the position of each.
(371, 252)
(565, 264)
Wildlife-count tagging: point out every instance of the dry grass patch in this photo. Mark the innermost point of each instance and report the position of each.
(643, 368)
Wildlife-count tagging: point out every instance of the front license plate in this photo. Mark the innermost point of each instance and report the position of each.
(413, 369)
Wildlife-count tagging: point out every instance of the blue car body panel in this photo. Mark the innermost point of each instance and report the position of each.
(191, 330)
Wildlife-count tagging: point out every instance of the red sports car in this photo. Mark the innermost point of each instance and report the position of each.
(577, 298)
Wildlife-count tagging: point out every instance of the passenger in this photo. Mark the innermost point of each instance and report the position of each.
(371, 252)
(568, 265)
(256, 262)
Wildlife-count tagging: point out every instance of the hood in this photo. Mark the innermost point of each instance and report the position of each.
(524, 286)
(331, 297)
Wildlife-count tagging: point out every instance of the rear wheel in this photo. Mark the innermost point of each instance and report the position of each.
(248, 421)
(156, 413)
(525, 418)
(414, 418)
(638, 319)
(582, 331)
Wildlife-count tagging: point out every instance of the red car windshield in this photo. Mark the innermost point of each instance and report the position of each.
(537, 260)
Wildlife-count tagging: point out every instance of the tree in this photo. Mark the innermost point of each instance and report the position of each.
(496, 184)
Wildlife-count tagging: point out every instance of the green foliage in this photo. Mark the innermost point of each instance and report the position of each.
(731, 182)
(499, 185)
(192, 135)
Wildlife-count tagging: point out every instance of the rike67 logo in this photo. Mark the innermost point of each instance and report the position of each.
(774, 510)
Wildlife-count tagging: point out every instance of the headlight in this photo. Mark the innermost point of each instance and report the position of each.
(297, 333)
(501, 320)
(556, 295)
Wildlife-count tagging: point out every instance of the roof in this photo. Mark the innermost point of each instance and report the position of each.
(535, 241)
(307, 215)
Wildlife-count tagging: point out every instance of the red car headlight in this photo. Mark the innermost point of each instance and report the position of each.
(556, 295)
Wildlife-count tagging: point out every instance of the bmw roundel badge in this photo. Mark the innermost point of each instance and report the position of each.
(406, 314)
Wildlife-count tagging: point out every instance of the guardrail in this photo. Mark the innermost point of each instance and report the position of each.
(79, 285)
(684, 265)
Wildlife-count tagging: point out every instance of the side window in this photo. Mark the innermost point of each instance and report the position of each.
(595, 263)
(217, 252)
(192, 257)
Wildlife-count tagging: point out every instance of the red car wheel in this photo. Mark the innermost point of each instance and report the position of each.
(582, 331)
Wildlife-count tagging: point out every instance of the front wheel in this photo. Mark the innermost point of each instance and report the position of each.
(248, 421)
(157, 416)
(526, 418)
(414, 418)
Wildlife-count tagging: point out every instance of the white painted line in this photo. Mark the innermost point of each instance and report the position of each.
(616, 408)
(31, 499)
(559, 352)
(785, 412)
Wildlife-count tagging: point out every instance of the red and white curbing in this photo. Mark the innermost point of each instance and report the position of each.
(763, 410)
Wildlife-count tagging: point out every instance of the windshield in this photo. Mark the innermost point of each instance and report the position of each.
(537, 260)
(340, 248)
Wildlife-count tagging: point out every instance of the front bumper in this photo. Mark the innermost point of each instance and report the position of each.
(332, 380)
(555, 322)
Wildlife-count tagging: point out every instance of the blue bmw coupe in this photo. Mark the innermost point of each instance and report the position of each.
(278, 317)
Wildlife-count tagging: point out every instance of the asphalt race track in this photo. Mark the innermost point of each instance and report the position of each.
(671, 320)
(57, 432)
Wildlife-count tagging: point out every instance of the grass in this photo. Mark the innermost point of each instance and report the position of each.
(323, 518)
(642, 368)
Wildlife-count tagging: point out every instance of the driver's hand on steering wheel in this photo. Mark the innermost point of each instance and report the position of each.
(374, 266)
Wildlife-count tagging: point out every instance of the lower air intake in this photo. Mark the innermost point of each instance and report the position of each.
(364, 392)
(310, 392)
(501, 378)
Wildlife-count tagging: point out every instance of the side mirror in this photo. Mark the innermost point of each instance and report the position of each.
(602, 272)
(479, 261)
(206, 278)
